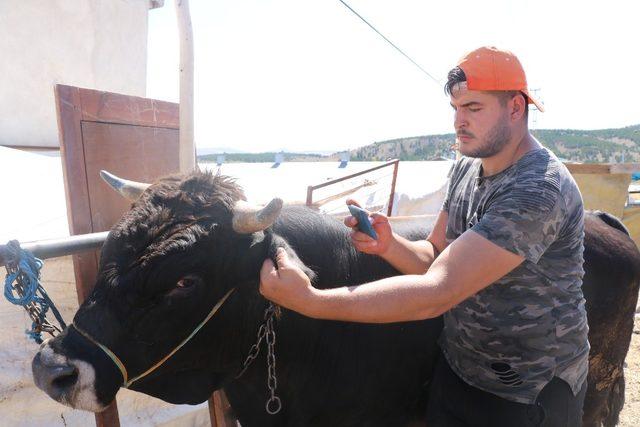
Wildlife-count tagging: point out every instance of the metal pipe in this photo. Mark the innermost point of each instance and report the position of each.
(187, 157)
(53, 248)
(393, 187)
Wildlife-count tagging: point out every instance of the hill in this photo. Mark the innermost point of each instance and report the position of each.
(589, 146)
(265, 157)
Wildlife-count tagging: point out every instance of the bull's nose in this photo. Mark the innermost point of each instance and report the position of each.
(56, 379)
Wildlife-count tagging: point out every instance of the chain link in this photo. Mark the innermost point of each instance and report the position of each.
(254, 351)
(274, 404)
(266, 330)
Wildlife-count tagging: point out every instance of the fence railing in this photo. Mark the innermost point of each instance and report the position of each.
(53, 248)
(392, 163)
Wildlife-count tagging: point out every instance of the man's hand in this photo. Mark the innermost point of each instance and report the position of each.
(365, 243)
(287, 285)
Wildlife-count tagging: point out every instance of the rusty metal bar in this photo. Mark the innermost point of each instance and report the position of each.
(310, 195)
(340, 195)
(394, 162)
(393, 187)
(353, 175)
(53, 248)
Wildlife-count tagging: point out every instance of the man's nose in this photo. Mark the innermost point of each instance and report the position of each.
(459, 120)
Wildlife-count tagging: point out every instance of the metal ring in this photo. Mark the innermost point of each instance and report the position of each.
(278, 404)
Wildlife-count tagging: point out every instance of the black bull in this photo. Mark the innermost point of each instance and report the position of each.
(170, 258)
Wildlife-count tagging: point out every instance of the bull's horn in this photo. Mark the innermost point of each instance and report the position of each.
(248, 218)
(129, 189)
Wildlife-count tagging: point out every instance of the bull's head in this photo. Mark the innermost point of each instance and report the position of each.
(185, 243)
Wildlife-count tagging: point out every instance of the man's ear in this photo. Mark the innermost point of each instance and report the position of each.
(517, 104)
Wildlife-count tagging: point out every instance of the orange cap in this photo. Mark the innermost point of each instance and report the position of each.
(489, 68)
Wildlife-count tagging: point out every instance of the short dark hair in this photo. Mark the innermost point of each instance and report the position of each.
(457, 75)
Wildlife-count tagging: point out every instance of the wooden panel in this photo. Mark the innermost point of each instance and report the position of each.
(625, 168)
(108, 417)
(72, 154)
(134, 137)
(603, 168)
(220, 412)
(109, 107)
(132, 152)
(76, 193)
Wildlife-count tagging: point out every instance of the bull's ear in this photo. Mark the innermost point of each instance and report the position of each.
(264, 245)
(279, 242)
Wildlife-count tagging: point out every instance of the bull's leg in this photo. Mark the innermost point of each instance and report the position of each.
(615, 402)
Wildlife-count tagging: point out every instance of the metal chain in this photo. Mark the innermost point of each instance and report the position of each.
(273, 404)
(254, 351)
(266, 329)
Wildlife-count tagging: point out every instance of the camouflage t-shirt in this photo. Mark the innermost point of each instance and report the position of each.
(515, 335)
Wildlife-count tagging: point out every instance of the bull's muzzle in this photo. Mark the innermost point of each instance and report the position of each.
(67, 381)
(56, 378)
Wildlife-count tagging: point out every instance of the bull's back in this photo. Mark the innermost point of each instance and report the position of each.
(323, 243)
(379, 370)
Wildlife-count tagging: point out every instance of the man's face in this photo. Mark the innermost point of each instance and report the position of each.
(481, 121)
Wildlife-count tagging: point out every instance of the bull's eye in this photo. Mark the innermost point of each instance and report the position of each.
(186, 282)
(184, 286)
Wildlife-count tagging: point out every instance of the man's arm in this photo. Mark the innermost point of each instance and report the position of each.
(466, 266)
(406, 256)
(416, 257)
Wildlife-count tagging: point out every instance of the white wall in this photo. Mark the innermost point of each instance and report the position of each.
(97, 44)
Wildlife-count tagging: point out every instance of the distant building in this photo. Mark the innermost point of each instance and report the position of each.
(344, 159)
(95, 44)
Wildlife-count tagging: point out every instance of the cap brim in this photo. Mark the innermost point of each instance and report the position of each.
(534, 101)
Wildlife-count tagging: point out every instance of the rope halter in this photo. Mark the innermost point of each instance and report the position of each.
(126, 382)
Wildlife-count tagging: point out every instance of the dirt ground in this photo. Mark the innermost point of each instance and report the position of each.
(630, 416)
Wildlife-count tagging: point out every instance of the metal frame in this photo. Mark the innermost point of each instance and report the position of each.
(394, 163)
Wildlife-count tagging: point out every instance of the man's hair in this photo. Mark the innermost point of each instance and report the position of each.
(457, 75)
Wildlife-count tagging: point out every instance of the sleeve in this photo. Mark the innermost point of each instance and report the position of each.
(524, 219)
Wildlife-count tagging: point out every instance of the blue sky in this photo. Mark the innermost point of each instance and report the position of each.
(309, 75)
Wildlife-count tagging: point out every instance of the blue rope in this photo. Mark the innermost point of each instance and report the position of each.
(28, 270)
(24, 271)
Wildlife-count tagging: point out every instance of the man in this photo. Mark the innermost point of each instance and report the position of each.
(503, 265)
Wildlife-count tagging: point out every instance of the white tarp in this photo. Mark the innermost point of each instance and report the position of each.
(34, 209)
(420, 186)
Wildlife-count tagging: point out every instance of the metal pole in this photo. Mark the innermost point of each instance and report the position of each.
(393, 187)
(310, 195)
(187, 148)
(53, 248)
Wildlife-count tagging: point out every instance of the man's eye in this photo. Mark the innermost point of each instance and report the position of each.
(475, 110)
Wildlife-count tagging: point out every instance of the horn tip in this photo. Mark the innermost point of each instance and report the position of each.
(110, 179)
